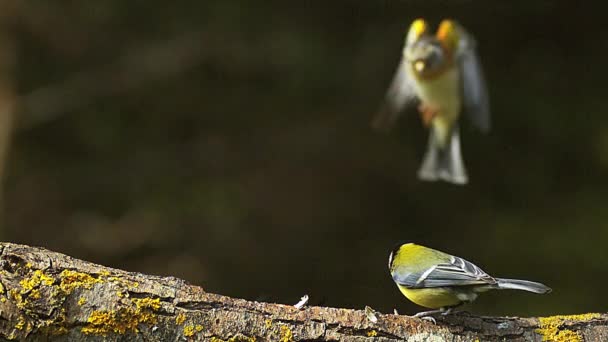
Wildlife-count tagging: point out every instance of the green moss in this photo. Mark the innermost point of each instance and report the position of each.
(551, 327)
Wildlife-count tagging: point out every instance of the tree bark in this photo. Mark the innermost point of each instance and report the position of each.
(50, 296)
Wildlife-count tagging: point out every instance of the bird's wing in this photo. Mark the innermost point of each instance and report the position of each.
(458, 272)
(475, 94)
(399, 94)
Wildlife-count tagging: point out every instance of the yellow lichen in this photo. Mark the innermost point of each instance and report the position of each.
(237, 338)
(2, 299)
(147, 303)
(35, 280)
(71, 280)
(122, 281)
(82, 301)
(551, 327)
(285, 335)
(30, 288)
(180, 319)
(268, 323)
(120, 294)
(16, 296)
(59, 330)
(190, 330)
(35, 294)
(57, 326)
(20, 323)
(123, 320)
(1, 288)
(372, 333)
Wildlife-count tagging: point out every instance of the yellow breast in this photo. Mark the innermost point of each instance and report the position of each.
(433, 298)
(442, 91)
(443, 94)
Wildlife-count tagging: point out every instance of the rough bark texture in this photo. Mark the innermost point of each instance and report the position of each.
(51, 296)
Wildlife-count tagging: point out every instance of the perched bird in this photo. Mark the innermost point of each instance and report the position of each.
(443, 72)
(440, 281)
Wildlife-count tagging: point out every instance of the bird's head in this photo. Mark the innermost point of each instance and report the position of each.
(428, 54)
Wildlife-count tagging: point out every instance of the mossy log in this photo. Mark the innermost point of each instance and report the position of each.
(50, 296)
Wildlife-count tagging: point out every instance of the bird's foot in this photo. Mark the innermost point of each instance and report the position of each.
(447, 311)
(427, 313)
(429, 319)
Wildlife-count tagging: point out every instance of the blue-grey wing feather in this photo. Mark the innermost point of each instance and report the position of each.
(476, 102)
(458, 272)
(399, 94)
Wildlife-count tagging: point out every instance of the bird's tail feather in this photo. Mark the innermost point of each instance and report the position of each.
(525, 285)
(443, 162)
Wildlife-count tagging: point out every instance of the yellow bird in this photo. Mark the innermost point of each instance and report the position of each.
(440, 281)
(443, 72)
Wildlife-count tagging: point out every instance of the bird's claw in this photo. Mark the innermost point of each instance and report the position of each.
(425, 315)
(429, 318)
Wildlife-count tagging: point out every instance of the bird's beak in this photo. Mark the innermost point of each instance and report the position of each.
(419, 65)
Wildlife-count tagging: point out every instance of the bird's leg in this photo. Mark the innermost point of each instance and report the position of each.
(427, 313)
(448, 310)
(427, 112)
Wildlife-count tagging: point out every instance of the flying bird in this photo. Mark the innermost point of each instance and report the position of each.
(443, 74)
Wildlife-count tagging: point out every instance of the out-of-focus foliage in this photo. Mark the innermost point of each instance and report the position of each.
(254, 172)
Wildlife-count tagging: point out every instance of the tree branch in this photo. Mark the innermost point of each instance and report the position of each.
(48, 295)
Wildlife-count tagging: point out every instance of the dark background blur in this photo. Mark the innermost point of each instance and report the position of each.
(228, 143)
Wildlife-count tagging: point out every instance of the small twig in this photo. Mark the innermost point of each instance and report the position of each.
(371, 314)
(302, 303)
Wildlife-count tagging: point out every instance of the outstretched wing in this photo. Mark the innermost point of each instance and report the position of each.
(458, 272)
(399, 94)
(475, 94)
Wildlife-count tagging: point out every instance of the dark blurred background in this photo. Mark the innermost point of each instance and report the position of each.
(228, 143)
